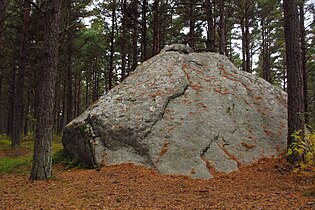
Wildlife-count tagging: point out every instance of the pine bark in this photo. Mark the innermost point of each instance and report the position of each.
(112, 37)
(294, 72)
(222, 46)
(2, 12)
(144, 51)
(156, 27)
(303, 57)
(123, 40)
(18, 108)
(210, 44)
(42, 157)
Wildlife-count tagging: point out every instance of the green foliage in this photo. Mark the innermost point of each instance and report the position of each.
(60, 157)
(20, 160)
(15, 164)
(303, 148)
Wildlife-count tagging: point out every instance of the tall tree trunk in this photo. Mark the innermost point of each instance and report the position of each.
(144, 52)
(156, 27)
(265, 50)
(222, 47)
(112, 49)
(303, 57)
(135, 35)
(2, 13)
(69, 79)
(294, 71)
(247, 43)
(42, 157)
(10, 102)
(243, 45)
(87, 90)
(191, 39)
(18, 108)
(123, 41)
(210, 44)
(245, 24)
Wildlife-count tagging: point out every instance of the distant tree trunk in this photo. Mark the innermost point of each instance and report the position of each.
(42, 157)
(211, 29)
(222, 47)
(156, 27)
(18, 112)
(123, 41)
(265, 50)
(2, 12)
(87, 89)
(78, 80)
(10, 102)
(245, 24)
(69, 79)
(144, 52)
(243, 46)
(112, 49)
(191, 36)
(247, 43)
(135, 15)
(294, 71)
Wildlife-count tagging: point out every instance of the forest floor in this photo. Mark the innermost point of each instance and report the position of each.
(264, 185)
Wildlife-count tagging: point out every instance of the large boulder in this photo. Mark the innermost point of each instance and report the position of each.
(182, 113)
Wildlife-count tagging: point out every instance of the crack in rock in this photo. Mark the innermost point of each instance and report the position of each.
(208, 147)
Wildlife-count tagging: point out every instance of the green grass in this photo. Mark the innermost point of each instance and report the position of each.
(15, 165)
(22, 163)
(59, 157)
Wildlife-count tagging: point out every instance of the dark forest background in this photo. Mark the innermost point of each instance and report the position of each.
(101, 42)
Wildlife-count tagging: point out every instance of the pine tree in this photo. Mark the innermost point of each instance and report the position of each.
(294, 71)
(42, 157)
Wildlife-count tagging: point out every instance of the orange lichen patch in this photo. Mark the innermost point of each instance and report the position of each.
(170, 117)
(103, 160)
(210, 168)
(257, 98)
(221, 91)
(262, 111)
(192, 113)
(196, 87)
(193, 171)
(187, 101)
(247, 145)
(281, 129)
(252, 137)
(202, 105)
(170, 128)
(167, 110)
(155, 94)
(249, 130)
(209, 79)
(268, 132)
(232, 77)
(184, 67)
(164, 148)
(282, 125)
(231, 156)
(225, 92)
(225, 73)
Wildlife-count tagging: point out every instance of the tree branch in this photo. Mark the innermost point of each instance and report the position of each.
(36, 6)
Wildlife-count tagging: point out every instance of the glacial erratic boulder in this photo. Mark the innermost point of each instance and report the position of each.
(182, 113)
